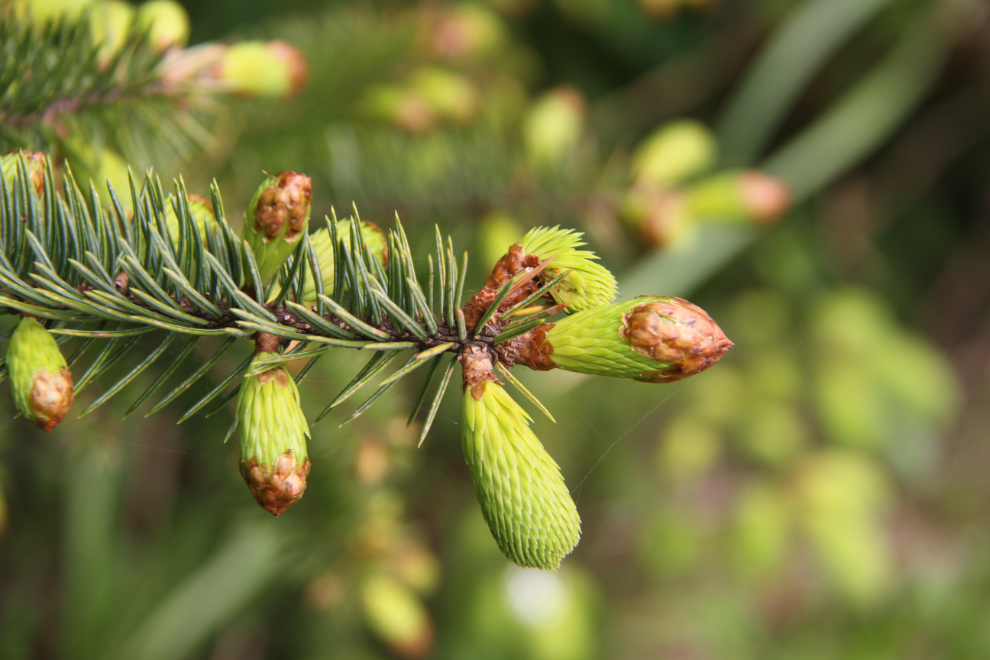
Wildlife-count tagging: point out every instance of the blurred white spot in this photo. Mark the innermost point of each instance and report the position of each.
(538, 599)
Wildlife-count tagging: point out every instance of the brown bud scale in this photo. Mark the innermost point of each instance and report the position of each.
(511, 264)
(287, 201)
(530, 349)
(477, 369)
(277, 487)
(51, 397)
(677, 332)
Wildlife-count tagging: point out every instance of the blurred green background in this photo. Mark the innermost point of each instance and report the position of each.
(820, 493)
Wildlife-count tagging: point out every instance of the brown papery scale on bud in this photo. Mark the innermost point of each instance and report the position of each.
(277, 487)
(530, 349)
(511, 264)
(286, 202)
(51, 397)
(674, 331)
(765, 197)
(477, 369)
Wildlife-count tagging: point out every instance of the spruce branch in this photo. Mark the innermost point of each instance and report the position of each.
(105, 277)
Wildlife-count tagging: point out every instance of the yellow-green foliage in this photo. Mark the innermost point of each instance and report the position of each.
(589, 283)
(520, 488)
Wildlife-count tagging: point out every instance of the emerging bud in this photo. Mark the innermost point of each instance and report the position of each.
(40, 380)
(273, 432)
(166, 21)
(656, 340)
(588, 285)
(279, 215)
(201, 210)
(660, 215)
(748, 196)
(35, 162)
(264, 68)
(374, 240)
(674, 152)
(519, 486)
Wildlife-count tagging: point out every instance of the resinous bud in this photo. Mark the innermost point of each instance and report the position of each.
(277, 219)
(273, 432)
(40, 380)
(652, 339)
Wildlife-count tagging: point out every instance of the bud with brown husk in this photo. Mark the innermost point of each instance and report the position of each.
(40, 380)
(652, 339)
(273, 432)
(277, 219)
(748, 196)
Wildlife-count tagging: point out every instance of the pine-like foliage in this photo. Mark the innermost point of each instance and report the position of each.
(106, 276)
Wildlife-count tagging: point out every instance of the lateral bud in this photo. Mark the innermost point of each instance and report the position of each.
(40, 380)
(277, 219)
(651, 339)
(274, 456)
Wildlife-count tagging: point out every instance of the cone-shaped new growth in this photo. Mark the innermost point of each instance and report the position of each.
(274, 458)
(40, 381)
(589, 283)
(277, 219)
(652, 339)
(519, 486)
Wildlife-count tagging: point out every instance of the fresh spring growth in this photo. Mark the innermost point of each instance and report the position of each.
(519, 486)
(263, 68)
(747, 195)
(273, 432)
(673, 153)
(651, 338)
(35, 162)
(40, 380)
(202, 213)
(589, 283)
(277, 219)
(374, 240)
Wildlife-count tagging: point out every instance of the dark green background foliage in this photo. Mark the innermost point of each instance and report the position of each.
(820, 493)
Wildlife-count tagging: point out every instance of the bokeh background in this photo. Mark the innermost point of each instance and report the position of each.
(820, 493)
